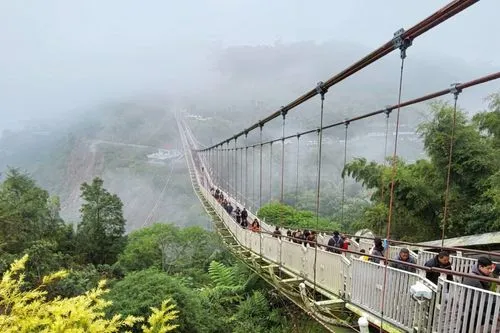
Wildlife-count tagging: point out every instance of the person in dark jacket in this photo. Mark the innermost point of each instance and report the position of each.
(335, 242)
(442, 260)
(402, 258)
(378, 250)
(483, 267)
(237, 215)
(277, 232)
(244, 218)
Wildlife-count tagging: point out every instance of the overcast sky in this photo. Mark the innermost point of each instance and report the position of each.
(61, 55)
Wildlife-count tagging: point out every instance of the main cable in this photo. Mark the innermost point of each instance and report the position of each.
(420, 28)
(469, 84)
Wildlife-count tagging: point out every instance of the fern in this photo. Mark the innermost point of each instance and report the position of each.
(222, 275)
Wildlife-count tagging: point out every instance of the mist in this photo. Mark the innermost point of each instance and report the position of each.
(74, 74)
(62, 57)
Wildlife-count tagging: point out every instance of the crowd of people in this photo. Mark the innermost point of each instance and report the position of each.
(404, 261)
(339, 243)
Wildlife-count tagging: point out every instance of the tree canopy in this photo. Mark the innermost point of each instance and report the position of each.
(102, 228)
(419, 187)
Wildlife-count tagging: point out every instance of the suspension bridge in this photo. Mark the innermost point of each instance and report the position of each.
(333, 287)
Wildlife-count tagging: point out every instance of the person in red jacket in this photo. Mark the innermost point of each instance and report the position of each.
(346, 243)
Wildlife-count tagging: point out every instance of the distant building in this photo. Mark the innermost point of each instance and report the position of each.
(164, 154)
(197, 117)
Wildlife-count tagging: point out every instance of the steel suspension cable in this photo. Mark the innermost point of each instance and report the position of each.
(226, 166)
(420, 28)
(322, 91)
(271, 171)
(217, 165)
(387, 115)
(455, 91)
(260, 170)
(223, 170)
(246, 170)
(343, 177)
(241, 175)
(224, 178)
(253, 175)
(283, 158)
(472, 83)
(297, 174)
(230, 169)
(403, 46)
(235, 160)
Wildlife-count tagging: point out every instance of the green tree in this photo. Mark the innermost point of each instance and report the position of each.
(474, 161)
(139, 291)
(279, 214)
(172, 249)
(419, 187)
(101, 232)
(489, 121)
(25, 216)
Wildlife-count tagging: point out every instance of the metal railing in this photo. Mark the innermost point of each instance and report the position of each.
(465, 309)
(400, 308)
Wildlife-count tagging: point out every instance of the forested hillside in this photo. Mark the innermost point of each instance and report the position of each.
(113, 145)
(149, 268)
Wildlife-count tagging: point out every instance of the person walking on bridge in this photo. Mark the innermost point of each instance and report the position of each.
(377, 250)
(402, 258)
(237, 214)
(255, 227)
(483, 267)
(442, 260)
(335, 242)
(244, 218)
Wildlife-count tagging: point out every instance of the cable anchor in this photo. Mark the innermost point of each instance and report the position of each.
(388, 110)
(455, 89)
(283, 111)
(321, 89)
(401, 42)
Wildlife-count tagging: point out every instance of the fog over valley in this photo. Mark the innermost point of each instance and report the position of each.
(92, 89)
